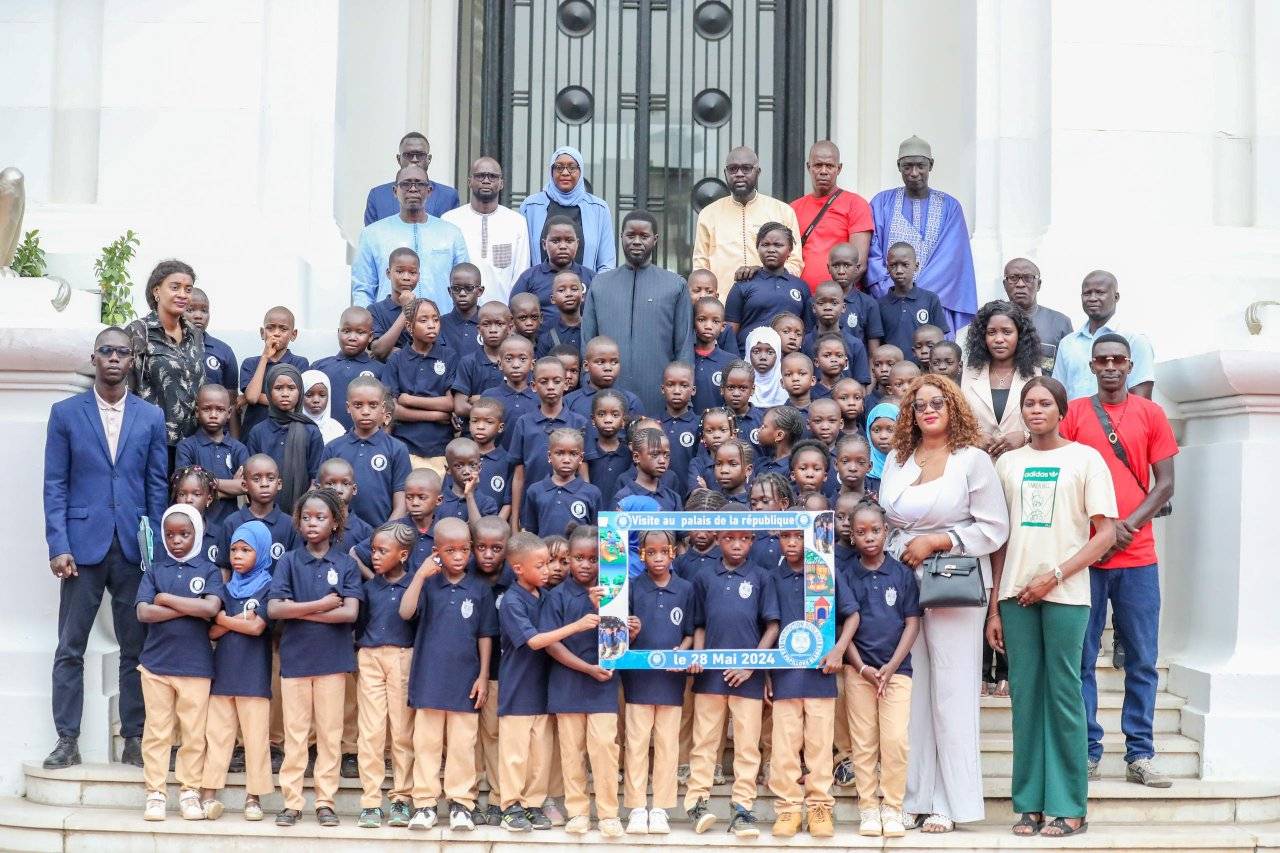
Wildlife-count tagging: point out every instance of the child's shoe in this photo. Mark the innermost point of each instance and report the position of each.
(460, 818)
(701, 817)
(821, 824)
(253, 810)
(423, 818)
(638, 822)
(611, 827)
(658, 824)
(682, 774)
(744, 823)
(370, 819)
(554, 812)
(578, 825)
(156, 805)
(870, 825)
(400, 814)
(189, 804)
(717, 776)
(891, 823)
(212, 809)
(787, 824)
(844, 773)
(538, 818)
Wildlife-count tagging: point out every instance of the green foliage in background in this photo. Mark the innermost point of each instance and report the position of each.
(112, 270)
(29, 260)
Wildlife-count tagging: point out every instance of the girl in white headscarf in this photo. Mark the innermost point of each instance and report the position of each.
(318, 409)
(764, 351)
(188, 549)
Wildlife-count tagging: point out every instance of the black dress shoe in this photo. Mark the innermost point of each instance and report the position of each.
(132, 751)
(277, 759)
(65, 754)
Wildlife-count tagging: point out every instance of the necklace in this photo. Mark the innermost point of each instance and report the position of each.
(1001, 382)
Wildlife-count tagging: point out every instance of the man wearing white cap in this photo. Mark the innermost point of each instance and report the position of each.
(933, 223)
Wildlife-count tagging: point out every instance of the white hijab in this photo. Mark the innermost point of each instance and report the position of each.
(329, 427)
(769, 391)
(196, 522)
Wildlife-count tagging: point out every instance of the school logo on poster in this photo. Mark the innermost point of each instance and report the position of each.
(277, 550)
(196, 586)
(1039, 488)
(578, 509)
(717, 378)
(677, 616)
(332, 577)
(744, 590)
(922, 316)
(891, 596)
(211, 362)
(439, 368)
(852, 320)
(467, 608)
(365, 373)
(800, 644)
(497, 483)
(686, 439)
(795, 295)
(378, 462)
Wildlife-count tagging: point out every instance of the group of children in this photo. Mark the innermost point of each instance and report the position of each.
(403, 527)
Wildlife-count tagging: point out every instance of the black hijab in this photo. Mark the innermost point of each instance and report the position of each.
(295, 478)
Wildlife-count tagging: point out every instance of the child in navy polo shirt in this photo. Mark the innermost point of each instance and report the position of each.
(735, 607)
(176, 599)
(194, 487)
(906, 307)
(701, 553)
(829, 319)
(240, 696)
(337, 474)
(287, 435)
(710, 359)
(316, 594)
(481, 369)
(215, 451)
(526, 316)
(947, 359)
(380, 463)
(853, 462)
(278, 331)
(489, 564)
(571, 358)
(739, 385)
(790, 329)
(850, 396)
(861, 312)
(390, 326)
(901, 375)
(804, 703)
(485, 425)
(797, 379)
(679, 422)
(530, 434)
(515, 395)
(882, 362)
(419, 376)
(523, 741)
(703, 285)
(716, 428)
(732, 469)
(551, 505)
(878, 681)
(384, 648)
(355, 331)
(567, 291)
(771, 289)
(604, 365)
(606, 454)
(832, 364)
(662, 604)
(922, 342)
(810, 466)
(421, 499)
(560, 246)
(557, 559)
(461, 497)
(824, 424)
(651, 455)
(780, 429)
(261, 480)
(220, 365)
(460, 328)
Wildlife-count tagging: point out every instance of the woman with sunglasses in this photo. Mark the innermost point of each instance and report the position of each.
(566, 194)
(941, 495)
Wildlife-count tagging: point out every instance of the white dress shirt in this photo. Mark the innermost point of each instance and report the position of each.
(112, 415)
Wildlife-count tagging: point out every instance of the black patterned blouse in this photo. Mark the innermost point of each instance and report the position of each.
(166, 373)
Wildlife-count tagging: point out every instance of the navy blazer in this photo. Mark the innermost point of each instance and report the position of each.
(83, 489)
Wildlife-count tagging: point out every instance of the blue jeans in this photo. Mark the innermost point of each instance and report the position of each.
(1135, 596)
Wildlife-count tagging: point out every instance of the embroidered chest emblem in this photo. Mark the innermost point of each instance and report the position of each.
(196, 586)
(890, 596)
(439, 368)
(467, 608)
(744, 590)
(378, 462)
(332, 577)
(677, 616)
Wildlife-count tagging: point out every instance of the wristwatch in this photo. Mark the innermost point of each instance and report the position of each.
(1057, 574)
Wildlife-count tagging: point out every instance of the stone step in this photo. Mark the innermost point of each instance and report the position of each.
(997, 713)
(1111, 680)
(26, 826)
(1111, 800)
(1178, 756)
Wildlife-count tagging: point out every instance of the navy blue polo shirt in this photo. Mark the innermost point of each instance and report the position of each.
(495, 476)
(564, 334)
(531, 439)
(269, 437)
(539, 280)
(455, 506)
(241, 663)
(628, 478)
(860, 315)
(708, 375)
(703, 466)
(667, 497)
(734, 606)
(209, 547)
(570, 691)
(749, 428)
(452, 617)
(886, 598)
(357, 530)
(179, 646)
(257, 412)
(859, 364)
(220, 365)
(221, 459)
(381, 464)
(523, 673)
(807, 683)
(476, 374)
(462, 334)
(604, 467)
(548, 507)
(580, 401)
(757, 300)
(516, 404)
(380, 623)
(341, 369)
(902, 315)
(766, 551)
(666, 618)
(308, 649)
(385, 312)
(846, 557)
(284, 537)
(430, 375)
(497, 588)
(728, 342)
(693, 562)
(765, 464)
(421, 549)
(682, 434)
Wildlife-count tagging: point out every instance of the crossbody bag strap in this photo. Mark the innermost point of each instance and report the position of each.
(1114, 440)
(804, 238)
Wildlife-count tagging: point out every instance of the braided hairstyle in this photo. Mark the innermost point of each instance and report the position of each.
(745, 451)
(704, 500)
(411, 310)
(207, 481)
(404, 535)
(789, 420)
(330, 499)
(728, 414)
(774, 486)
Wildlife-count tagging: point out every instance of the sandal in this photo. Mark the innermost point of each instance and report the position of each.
(936, 824)
(986, 688)
(1034, 825)
(912, 821)
(1063, 828)
(1002, 690)
(326, 816)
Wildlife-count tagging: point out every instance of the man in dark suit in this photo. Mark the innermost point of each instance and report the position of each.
(105, 468)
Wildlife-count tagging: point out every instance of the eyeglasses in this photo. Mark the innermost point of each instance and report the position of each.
(462, 289)
(413, 185)
(937, 404)
(565, 168)
(1100, 360)
(1029, 278)
(486, 176)
(415, 156)
(106, 351)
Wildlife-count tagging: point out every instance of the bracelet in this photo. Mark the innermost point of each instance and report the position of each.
(864, 666)
(991, 616)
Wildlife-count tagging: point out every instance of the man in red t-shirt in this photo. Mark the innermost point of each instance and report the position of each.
(1129, 577)
(846, 220)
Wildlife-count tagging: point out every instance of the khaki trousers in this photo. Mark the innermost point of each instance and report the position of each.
(177, 707)
(487, 746)
(662, 724)
(709, 710)
(383, 688)
(276, 722)
(431, 730)
(555, 772)
(686, 727)
(807, 724)
(591, 737)
(250, 715)
(305, 701)
(351, 715)
(842, 742)
(878, 725)
(523, 749)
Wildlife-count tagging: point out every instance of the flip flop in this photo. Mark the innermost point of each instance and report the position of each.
(1064, 828)
(1035, 824)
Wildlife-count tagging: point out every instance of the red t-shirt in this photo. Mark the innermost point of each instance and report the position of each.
(1147, 438)
(848, 215)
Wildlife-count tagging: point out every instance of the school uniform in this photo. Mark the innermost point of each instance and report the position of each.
(855, 350)
(357, 530)
(693, 562)
(701, 467)
(765, 464)
(766, 552)
(220, 365)
(878, 724)
(269, 437)
(284, 536)
(385, 312)
(255, 413)
(315, 658)
(586, 710)
(549, 507)
(381, 465)
(733, 606)
(741, 495)
(341, 370)
(476, 374)
(605, 467)
(430, 375)
(654, 699)
(524, 743)
(557, 334)
(531, 439)
(757, 300)
(384, 649)
(860, 315)
(579, 402)
(708, 374)
(487, 738)
(901, 315)
(749, 427)
(539, 280)
(453, 505)
(667, 497)
(222, 459)
(240, 698)
(462, 334)
(682, 434)
(516, 404)
(176, 664)
(495, 476)
(421, 549)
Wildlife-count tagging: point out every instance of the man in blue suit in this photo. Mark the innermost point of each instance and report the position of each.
(382, 201)
(105, 467)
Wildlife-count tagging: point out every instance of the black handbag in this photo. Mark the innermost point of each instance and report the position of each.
(950, 581)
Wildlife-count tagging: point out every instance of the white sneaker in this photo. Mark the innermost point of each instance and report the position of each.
(213, 809)
(891, 825)
(611, 827)
(638, 823)
(658, 822)
(189, 804)
(460, 818)
(870, 825)
(423, 818)
(578, 825)
(156, 805)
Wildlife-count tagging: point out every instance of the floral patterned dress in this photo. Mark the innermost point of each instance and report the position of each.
(167, 373)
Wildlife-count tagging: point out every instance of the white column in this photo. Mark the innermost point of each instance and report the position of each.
(77, 101)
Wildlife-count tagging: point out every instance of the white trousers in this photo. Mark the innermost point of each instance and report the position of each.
(944, 771)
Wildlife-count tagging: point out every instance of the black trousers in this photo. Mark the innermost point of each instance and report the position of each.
(995, 666)
(78, 605)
